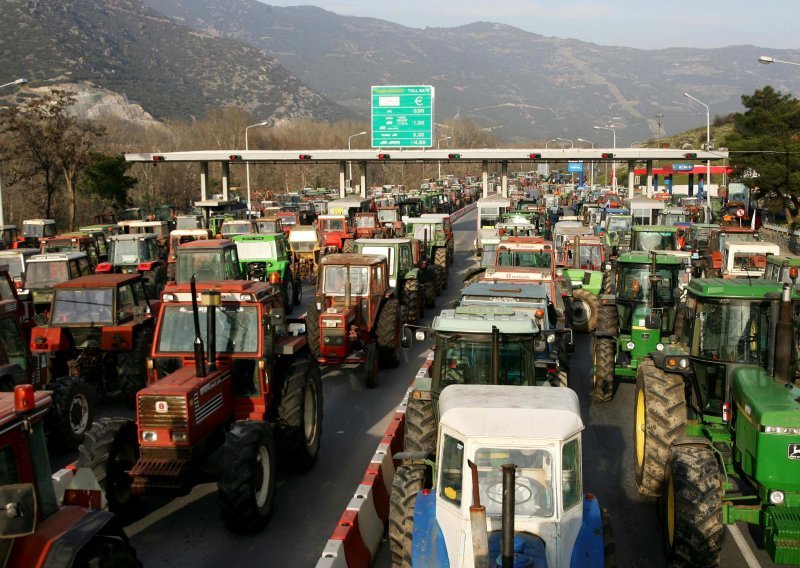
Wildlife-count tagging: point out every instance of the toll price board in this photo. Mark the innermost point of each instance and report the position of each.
(402, 116)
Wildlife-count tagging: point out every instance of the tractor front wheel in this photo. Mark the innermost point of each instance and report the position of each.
(246, 487)
(605, 352)
(440, 259)
(300, 416)
(111, 449)
(420, 426)
(288, 292)
(312, 329)
(691, 508)
(659, 418)
(72, 412)
(348, 246)
(388, 334)
(585, 307)
(412, 300)
(429, 289)
(408, 481)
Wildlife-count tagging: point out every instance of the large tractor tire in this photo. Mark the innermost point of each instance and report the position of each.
(111, 449)
(429, 290)
(585, 308)
(297, 297)
(420, 426)
(72, 412)
(312, 329)
(288, 292)
(605, 353)
(412, 300)
(132, 365)
(408, 481)
(371, 367)
(440, 279)
(300, 416)
(691, 508)
(440, 259)
(659, 418)
(246, 488)
(387, 333)
(348, 246)
(107, 550)
(608, 284)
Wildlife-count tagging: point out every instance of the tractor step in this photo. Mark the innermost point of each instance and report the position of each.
(159, 475)
(782, 535)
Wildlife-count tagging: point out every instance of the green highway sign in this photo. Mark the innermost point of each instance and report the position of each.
(402, 116)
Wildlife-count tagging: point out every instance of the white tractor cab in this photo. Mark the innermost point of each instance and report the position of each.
(522, 228)
(35, 229)
(490, 211)
(16, 260)
(673, 216)
(564, 232)
(644, 210)
(742, 259)
(508, 483)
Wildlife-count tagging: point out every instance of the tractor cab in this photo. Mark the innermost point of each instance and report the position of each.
(270, 224)
(239, 227)
(44, 271)
(16, 261)
(647, 238)
(780, 268)
(10, 236)
(742, 259)
(188, 222)
(336, 232)
(208, 261)
(35, 229)
(137, 253)
(72, 242)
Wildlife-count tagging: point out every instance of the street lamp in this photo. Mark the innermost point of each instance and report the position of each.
(591, 166)
(247, 147)
(438, 146)
(766, 60)
(708, 149)
(571, 144)
(2, 219)
(350, 162)
(613, 130)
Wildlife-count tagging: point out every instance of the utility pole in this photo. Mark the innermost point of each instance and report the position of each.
(659, 119)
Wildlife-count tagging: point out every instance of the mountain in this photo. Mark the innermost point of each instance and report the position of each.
(169, 69)
(519, 84)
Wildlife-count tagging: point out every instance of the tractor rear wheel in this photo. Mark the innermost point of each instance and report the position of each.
(111, 449)
(691, 508)
(312, 329)
(412, 300)
(605, 353)
(429, 288)
(107, 550)
(659, 418)
(288, 292)
(585, 307)
(348, 245)
(297, 297)
(420, 426)
(371, 367)
(387, 332)
(440, 278)
(132, 365)
(72, 412)
(440, 259)
(246, 487)
(300, 416)
(408, 481)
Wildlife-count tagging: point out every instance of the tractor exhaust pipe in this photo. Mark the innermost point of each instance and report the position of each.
(199, 356)
(576, 253)
(507, 550)
(348, 300)
(211, 300)
(477, 519)
(784, 338)
(495, 355)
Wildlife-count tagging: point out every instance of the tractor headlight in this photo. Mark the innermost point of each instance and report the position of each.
(776, 497)
(630, 345)
(178, 436)
(781, 430)
(149, 436)
(660, 347)
(683, 363)
(551, 338)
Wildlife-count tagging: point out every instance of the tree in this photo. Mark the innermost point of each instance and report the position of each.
(105, 178)
(765, 147)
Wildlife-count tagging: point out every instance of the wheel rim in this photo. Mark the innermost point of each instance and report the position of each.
(582, 313)
(310, 413)
(670, 511)
(79, 414)
(640, 427)
(261, 478)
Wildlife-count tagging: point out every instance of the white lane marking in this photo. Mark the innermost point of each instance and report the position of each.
(749, 557)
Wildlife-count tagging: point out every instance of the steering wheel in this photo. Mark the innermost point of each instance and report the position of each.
(495, 492)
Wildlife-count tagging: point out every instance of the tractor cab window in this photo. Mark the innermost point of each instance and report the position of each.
(124, 252)
(333, 225)
(465, 360)
(530, 259)
(642, 216)
(489, 254)
(378, 285)
(231, 264)
(82, 305)
(139, 294)
(365, 222)
(125, 303)
(386, 251)
(731, 331)
(571, 473)
(452, 466)
(591, 257)
(405, 259)
(634, 284)
(12, 348)
(335, 277)
(237, 329)
(648, 242)
(84, 268)
(152, 250)
(43, 274)
(533, 482)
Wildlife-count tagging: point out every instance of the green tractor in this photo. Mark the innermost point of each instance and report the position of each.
(717, 421)
(637, 313)
(438, 244)
(582, 280)
(266, 257)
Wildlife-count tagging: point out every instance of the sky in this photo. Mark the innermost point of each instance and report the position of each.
(643, 24)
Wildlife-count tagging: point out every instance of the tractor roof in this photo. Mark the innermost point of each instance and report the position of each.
(505, 291)
(423, 221)
(494, 201)
(481, 319)
(382, 242)
(654, 229)
(56, 256)
(260, 237)
(39, 222)
(9, 416)
(100, 281)
(646, 258)
(784, 259)
(511, 412)
(745, 288)
(352, 259)
(441, 216)
(750, 246)
(208, 244)
(526, 273)
(230, 290)
(134, 237)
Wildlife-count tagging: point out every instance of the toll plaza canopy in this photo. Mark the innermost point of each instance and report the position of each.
(695, 169)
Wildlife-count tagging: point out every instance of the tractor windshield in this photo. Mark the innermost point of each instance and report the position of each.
(388, 215)
(37, 230)
(332, 225)
(731, 330)
(428, 232)
(634, 290)
(206, 266)
(123, 252)
(82, 306)
(365, 222)
(531, 259)
(256, 250)
(45, 274)
(237, 329)
(230, 229)
(591, 257)
(533, 486)
(335, 276)
(656, 241)
(467, 359)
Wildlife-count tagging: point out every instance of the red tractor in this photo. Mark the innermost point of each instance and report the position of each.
(368, 226)
(356, 317)
(36, 530)
(100, 329)
(710, 264)
(257, 396)
(337, 233)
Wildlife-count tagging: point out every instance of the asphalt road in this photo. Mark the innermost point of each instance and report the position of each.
(187, 531)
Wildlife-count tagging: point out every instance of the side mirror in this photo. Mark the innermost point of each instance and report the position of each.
(17, 510)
